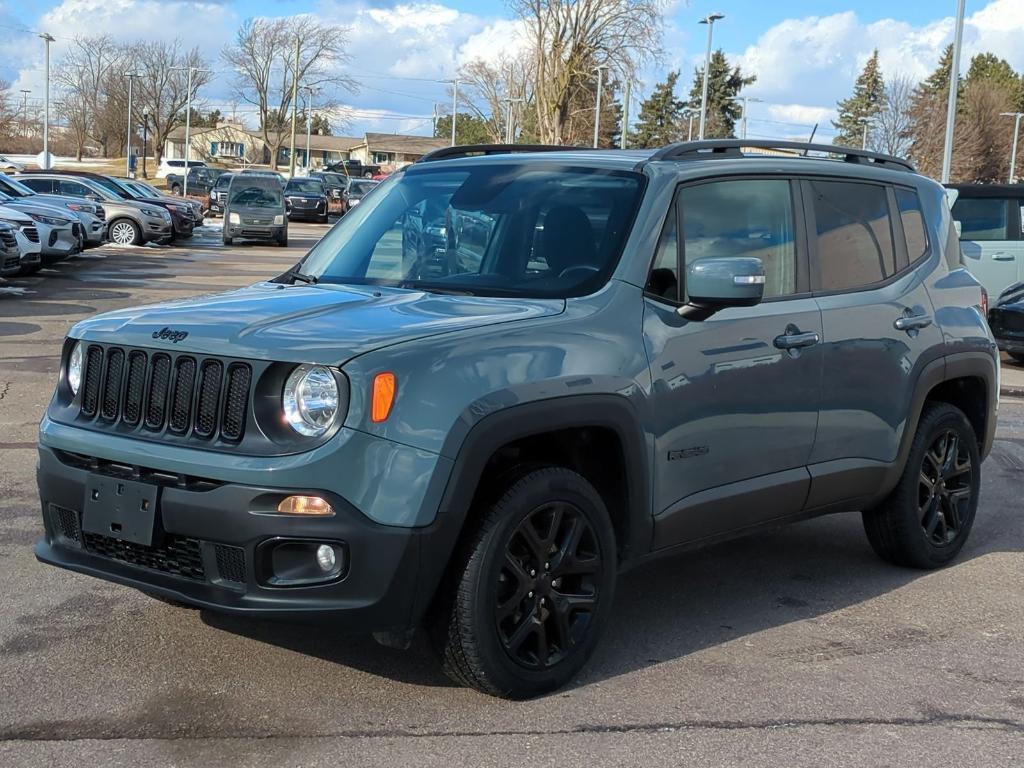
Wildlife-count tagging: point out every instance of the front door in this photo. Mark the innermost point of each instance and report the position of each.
(990, 240)
(734, 397)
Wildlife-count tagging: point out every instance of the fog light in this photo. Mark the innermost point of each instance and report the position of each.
(325, 558)
(304, 505)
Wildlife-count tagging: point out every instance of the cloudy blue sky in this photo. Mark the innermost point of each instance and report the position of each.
(805, 54)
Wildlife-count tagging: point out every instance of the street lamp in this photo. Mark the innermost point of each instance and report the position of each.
(710, 21)
(600, 68)
(45, 165)
(188, 122)
(145, 128)
(1016, 134)
(954, 82)
(128, 142)
(309, 121)
(509, 132)
(865, 123)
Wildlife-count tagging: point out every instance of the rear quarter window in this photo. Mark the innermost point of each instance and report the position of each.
(983, 218)
(912, 217)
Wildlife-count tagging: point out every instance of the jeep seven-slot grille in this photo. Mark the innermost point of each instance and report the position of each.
(202, 398)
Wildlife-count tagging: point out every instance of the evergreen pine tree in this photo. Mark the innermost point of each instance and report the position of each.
(866, 102)
(661, 115)
(724, 85)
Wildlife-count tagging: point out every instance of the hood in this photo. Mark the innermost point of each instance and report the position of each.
(24, 206)
(304, 324)
(9, 213)
(60, 202)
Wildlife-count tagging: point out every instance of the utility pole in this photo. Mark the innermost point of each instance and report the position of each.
(625, 115)
(1016, 135)
(865, 122)
(455, 105)
(710, 21)
(128, 144)
(295, 98)
(309, 123)
(600, 68)
(743, 117)
(47, 38)
(25, 112)
(509, 130)
(434, 131)
(145, 129)
(188, 122)
(954, 83)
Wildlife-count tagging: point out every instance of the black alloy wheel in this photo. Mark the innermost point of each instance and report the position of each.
(945, 488)
(548, 588)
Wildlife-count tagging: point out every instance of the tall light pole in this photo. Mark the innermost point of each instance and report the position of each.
(600, 68)
(145, 129)
(625, 115)
(295, 106)
(865, 123)
(954, 83)
(509, 132)
(743, 117)
(309, 121)
(710, 21)
(455, 106)
(1016, 135)
(188, 122)
(128, 143)
(47, 38)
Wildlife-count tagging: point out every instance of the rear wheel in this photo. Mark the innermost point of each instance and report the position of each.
(125, 232)
(531, 590)
(927, 518)
(227, 240)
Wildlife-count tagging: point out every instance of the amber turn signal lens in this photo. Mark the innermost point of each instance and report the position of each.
(384, 386)
(304, 505)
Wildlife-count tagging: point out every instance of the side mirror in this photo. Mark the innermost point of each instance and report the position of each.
(716, 283)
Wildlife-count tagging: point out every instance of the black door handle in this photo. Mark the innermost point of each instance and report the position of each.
(796, 340)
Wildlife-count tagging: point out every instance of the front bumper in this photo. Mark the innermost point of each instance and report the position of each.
(96, 232)
(183, 224)
(214, 550)
(156, 229)
(58, 242)
(255, 231)
(307, 210)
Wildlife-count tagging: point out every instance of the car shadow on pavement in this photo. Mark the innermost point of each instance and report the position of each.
(677, 606)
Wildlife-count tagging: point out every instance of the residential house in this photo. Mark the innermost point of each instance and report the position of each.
(394, 150)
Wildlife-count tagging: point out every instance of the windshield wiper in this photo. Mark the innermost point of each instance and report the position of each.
(300, 277)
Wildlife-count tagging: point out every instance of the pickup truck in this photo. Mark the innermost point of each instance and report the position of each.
(354, 169)
(200, 181)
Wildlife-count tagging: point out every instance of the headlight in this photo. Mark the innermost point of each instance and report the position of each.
(75, 368)
(310, 400)
(76, 206)
(279, 220)
(354, 201)
(53, 221)
(233, 218)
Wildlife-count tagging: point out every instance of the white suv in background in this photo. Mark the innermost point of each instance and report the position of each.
(176, 166)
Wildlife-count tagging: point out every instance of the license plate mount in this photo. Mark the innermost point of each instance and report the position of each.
(125, 510)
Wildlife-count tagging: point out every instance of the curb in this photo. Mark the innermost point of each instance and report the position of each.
(1011, 391)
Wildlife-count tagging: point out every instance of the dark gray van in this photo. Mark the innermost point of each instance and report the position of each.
(254, 209)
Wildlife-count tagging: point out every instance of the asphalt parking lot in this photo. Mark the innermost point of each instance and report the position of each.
(795, 648)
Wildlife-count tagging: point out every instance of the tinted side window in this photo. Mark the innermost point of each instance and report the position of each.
(72, 188)
(664, 278)
(44, 186)
(913, 222)
(854, 231)
(983, 218)
(743, 217)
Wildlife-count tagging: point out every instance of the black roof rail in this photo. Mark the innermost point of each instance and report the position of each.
(465, 150)
(732, 148)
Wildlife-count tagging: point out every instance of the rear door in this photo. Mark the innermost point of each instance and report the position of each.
(867, 247)
(990, 239)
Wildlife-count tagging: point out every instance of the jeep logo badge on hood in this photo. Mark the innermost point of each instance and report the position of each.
(168, 334)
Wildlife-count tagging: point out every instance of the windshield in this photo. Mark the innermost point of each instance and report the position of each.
(14, 187)
(223, 180)
(360, 188)
(255, 194)
(523, 230)
(144, 189)
(305, 187)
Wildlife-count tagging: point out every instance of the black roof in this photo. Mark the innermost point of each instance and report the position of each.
(988, 190)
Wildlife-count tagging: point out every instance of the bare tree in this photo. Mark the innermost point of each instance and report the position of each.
(73, 108)
(891, 128)
(264, 59)
(8, 113)
(162, 85)
(90, 77)
(486, 87)
(569, 38)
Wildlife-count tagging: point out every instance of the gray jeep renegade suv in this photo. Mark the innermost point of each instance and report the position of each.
(506, 377)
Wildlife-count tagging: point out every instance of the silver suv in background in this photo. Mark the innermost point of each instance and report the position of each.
(129, 223)
(27, 236)
(90, 214)
(991, 218)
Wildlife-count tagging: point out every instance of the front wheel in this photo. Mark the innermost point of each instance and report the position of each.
(531, 590)
(227, 240)
(927, 518)
(125, 232)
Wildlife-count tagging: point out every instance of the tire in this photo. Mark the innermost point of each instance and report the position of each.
(27, 271)
(282, 242)
(498, 647)
(125, 232)
(1018, 357)
(324, 219)
(227, 240)
(175, 189)
(926, 519)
